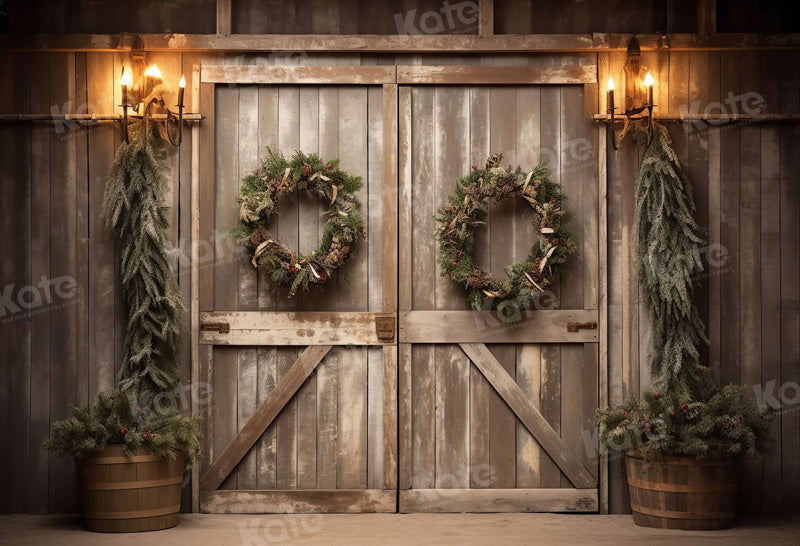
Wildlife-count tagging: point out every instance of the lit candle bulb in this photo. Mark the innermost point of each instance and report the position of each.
(648, 82)
(181, 89)
(610, 95)
(153, 78)
(127, 81)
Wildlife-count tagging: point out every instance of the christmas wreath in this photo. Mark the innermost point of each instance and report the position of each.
(276, 177)
(467, 208)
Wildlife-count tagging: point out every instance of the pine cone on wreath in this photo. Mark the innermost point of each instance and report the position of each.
(307, 170)
(256, 238)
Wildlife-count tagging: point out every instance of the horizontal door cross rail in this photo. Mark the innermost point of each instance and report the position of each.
(498, 500)
(298, 501)
(528, 415)
(292, 329)
(391, 43)
(496, 75)
(263, 417)
(298, 75)
(487, 327)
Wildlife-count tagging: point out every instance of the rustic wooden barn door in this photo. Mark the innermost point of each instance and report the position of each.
(300, 394)
(494, 418)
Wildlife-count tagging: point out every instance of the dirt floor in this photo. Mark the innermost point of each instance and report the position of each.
(415, 529)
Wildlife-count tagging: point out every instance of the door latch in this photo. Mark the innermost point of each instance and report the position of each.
(384, 328)
(575, 326)
(221, 327)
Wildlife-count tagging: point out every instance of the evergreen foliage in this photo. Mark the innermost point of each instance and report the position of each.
(727, 424)
(134, 210)
(667, 252)
(116, 418)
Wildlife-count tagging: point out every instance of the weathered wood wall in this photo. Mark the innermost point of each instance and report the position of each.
(746, 180)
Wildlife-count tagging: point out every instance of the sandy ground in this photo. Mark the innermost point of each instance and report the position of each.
(415, 529)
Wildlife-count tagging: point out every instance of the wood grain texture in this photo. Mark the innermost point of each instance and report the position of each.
(400, 43)
(291, 328)
(298, 75)
(496, 75)
(484, 326)
(498, 500)
(298, 501)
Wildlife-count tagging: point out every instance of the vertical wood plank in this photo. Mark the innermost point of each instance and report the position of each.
(715, 269)
(288, 234)
(353, 382)
(266, 475)
(749, 256)
(423, 364)
(225, 378)
(480, 390)
(247, 387)
(729, 230)
(327, 371)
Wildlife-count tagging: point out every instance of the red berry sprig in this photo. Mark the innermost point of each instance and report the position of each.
(123, 431)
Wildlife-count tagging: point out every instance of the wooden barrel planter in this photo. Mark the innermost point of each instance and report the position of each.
(683, 493)
(123, 495)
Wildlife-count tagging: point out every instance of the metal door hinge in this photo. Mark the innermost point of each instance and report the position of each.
(384, 328)
(575, 326)
(221, 327)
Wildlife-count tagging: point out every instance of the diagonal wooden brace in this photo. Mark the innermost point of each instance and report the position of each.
(525, 411)
(263, 416)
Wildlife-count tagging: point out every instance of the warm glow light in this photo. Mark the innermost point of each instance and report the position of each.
(648, 80)
(127, 79)
(610, 83)
(182, 83)
(153, 71)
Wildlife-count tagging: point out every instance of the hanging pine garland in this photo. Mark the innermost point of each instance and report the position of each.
(467, 208)
(134, 210)
(277, 177)
(668, 243)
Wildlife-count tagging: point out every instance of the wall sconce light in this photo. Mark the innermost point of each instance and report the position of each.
(631, 112)
(149, 91)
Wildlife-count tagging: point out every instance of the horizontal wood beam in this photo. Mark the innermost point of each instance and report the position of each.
(496, 75)
(291, 329)
(722, 118)
(298, 501)
(486, 327)
(458, 44)
(88, 119)
(528, 415)
(498, 500)
(263, 417)
(297, 75)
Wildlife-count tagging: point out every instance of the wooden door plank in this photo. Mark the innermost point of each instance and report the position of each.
(266, 477)
(308, 240)
(247, 381)
(450, 326)
(327, 372)
(299, 501)
(506, 227)
(263, 416)
(480, 391)
(353, 126)
(529, 415)
(451, 142)
(529, 366)
(498, 500)
(495, 75)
